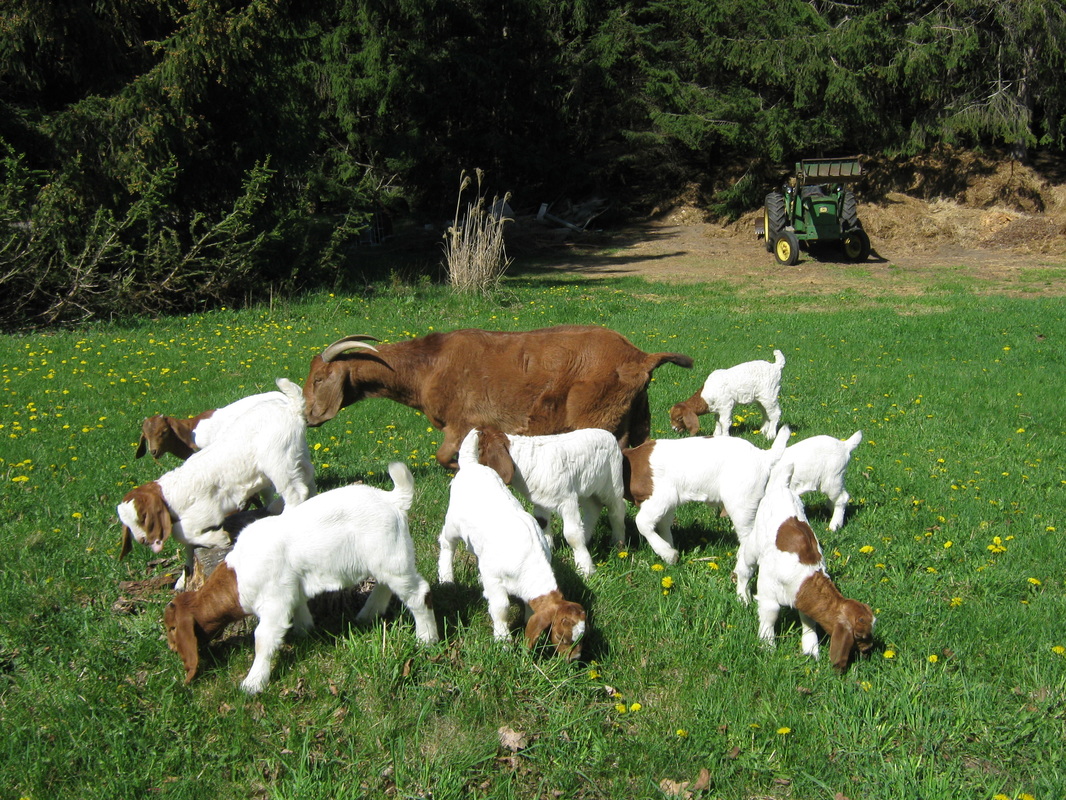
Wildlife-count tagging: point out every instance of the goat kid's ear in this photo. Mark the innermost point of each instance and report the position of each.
(840, 646)
(495, 454)
(126, 543)
(692, 423)
(181, 637)
(183, 433)
(536, 626)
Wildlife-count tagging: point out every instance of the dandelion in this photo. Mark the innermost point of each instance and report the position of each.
(668, 582)
(76, 515)
(593, 674)
(889, 654)
(784, 730)
(620, 708)
(865, 686)
(933, 658)
(956, 602)
(1050, 529)
(1000, 796)
(1059, 650)
(635, 707)
(623, 554)
(866, 548)
(657, 567)
(711, 565)
(681, 733)
(1034, 581)
(948, 544)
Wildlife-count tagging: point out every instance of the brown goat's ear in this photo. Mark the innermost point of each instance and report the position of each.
(181, 636)
(126, 544)
(495, 452)
(840, 645)
(142, 446)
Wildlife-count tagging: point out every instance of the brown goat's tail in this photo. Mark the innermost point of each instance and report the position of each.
(658, 359)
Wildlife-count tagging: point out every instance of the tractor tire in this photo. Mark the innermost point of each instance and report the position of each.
(856, 245)
(787, 248)
(774, 220)
(849, 214)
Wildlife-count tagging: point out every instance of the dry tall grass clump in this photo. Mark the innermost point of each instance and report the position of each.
(474, 252)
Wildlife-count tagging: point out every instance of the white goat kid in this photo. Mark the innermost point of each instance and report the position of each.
(266, 448)
(750, 382)
(331, 542)
(574, 475)
(819, 464)
(792, 573)
(513, 554)
(664, 473)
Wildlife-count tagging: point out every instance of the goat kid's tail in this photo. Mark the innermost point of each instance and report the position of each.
(780, 443)
(470, 449)
(403, 492)
(292, 392)
(779, 358)
(853, 442)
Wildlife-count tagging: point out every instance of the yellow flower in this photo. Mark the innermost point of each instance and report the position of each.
(784, 731)
(76, 515)
(620, 708)
(667, 582)
(866, 686)
(712, 565)
(682, 733)
(593, 674)
(657, 567)
(956, 602)
(1000, 796)
(889, 654)
(866, 548)
(635, 707)
(622, 554)
(948, 544)
(1026, 796)
(1059, 650)
(933, 658)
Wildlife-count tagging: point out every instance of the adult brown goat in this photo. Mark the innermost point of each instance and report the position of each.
(551, 380)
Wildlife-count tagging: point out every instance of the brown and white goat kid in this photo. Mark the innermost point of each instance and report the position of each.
(819, 464)
(265, 448)
(513, 555)
(662, 474)
(551, 380)
(792, 573)
(750, 382)
(333, 541)
(571, 474)
(181, 437)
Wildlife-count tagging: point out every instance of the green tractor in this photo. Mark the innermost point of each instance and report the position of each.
(817, 208)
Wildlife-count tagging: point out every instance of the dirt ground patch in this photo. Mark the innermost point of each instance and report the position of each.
(1002, 230)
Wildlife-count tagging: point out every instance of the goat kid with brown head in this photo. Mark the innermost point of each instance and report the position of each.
(551, 380)
(792, 573)
(513, 555)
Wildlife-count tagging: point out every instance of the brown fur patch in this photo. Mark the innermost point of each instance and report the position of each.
(796, 536)
(684, 415)
(636, 472)
(153, 513)
(494, 450)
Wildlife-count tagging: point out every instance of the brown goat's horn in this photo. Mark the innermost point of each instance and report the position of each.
(348, 343)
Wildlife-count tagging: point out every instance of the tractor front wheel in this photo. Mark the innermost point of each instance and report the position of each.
(787, 248)
(856, 245)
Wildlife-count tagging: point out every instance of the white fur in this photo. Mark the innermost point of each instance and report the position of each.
(704, 469)
(264, 448)
(573, 475)
(819, 464)
(217, 426)
(332, 541)
(750, 382)
(513, 554)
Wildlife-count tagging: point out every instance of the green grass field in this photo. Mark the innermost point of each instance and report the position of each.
(953, 536)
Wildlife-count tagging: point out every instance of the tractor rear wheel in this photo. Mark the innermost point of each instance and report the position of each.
(856, 245)
(773, 218)
(787, 248)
